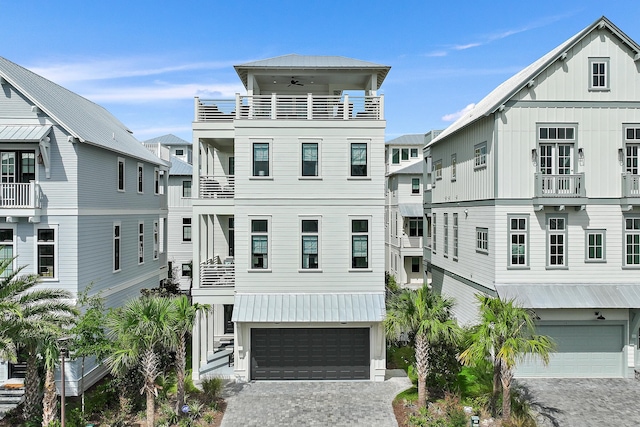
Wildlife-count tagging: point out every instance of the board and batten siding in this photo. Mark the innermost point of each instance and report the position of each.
(174, 197)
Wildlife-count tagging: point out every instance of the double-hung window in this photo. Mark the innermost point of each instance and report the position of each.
(140, 242)
(186, 229)
(414, 153)
(632, 154)
(46, 252)
(518, 241)
(140, 178)
(632, 241)
(454, 165)
(358, 159)
(186, 189)
(437, 166)
(405, 154)
(480, 155)
(445, 249)
(455, 236)
(7, 250)
(259, 244)
(415, 264)
(416, 227)
(261, 159)
(116, 246)
(310, 240)
(121, 174)
(595, 246)
(433, 233)
(598, 73)
(482, 240)
(415, 185)
(556, 241)
(359, 243)
(310, 159)
(156, 240)
(186, 270)
(156, 181)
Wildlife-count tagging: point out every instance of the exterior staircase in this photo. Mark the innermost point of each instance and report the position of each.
(219, 364)
(11, 395)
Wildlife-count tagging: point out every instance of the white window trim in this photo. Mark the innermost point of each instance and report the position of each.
(454, 167)
(479, 159)
(510, 233)
(434, 240)
(565, 245)
(124, 175)
(607, 73)
(411, 153)
(182, 196)
(456, 241)
(156, 240)
(269, 242)
(482, 231)
(56, 237)
(318, 143)
(445, 247)
(190, 225)
(113, 247)
(14, 243)
(392, 150)
(368, 144)
(437, 169)
(419, 192)
(368, 218)
(319, 234)
(626, 232)
(140, 242)
(156, 181)
(589, 231)
(140, 177)
(269, 143)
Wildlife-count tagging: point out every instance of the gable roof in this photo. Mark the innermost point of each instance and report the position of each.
(180, 167)
(492, 102)
(88, 122)
(311, 62)
(169, 139)
(409, 139)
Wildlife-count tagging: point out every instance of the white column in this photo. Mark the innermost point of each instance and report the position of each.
(203, 335)
(195, 350)
(210, 330)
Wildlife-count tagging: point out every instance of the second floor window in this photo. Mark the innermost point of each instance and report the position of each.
(632, 150)
(415, 185)
(455, 236)
(395, 156)
(186, 189)
(259, 244)
(310, 250)
(116, 247)
(46, 252)
(358, 159)
(632, 242)
(6, 249)
(140, 243)
(518, 242)
(140, 178)
(120, 174)
(260, 159)
(310, 159)
(557, 242)
(359, 243)
(415, 227)
(482, 240)
(186, 229)
(445, 249)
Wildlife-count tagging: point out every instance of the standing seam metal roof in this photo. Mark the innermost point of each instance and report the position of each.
(83, 119)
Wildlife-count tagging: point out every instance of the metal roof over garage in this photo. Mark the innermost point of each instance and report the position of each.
(358, 307)
(572, 295)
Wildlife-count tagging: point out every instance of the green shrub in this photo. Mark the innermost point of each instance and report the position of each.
(401, 357)
(75, 418)
(212, 387)
(208, 418)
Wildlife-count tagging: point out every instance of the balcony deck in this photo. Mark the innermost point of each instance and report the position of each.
(20, 195)
(217, 187)
(213, 274)
(290, 107)
(559, 190)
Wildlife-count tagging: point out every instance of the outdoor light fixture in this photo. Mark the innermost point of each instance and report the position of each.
(621, 156)
(534, 155)
(581, 153)
(599, 316)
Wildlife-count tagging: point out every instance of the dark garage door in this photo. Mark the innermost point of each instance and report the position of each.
(310, 354)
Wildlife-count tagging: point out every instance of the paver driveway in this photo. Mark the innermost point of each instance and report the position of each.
(321, 403)
(585, 402)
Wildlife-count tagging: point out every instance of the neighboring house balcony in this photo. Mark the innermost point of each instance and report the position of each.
(559, 190)
(630, 191)
(20, 200)
(217, 186)
(290, 107)
(411, 246)
(214, 274)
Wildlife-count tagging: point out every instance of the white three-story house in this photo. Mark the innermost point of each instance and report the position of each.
(288, 221)
(536, 196)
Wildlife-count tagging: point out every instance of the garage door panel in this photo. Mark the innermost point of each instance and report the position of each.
(582, 351)
(310, 353)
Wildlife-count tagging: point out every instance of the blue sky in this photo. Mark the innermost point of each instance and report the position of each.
(145, 60)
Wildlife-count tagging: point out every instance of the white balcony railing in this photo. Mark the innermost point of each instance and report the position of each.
(20, 195)
(290, 107)
(630, 185)
(214, 274)
(559, 185)
(217, 186)
(412, 242)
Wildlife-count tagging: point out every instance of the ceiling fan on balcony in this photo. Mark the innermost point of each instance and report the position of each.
(295, 82)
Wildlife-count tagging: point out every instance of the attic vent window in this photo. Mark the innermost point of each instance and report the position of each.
(598, 73)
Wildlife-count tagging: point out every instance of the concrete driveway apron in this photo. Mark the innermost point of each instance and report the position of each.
(584, 402)
(304, 403)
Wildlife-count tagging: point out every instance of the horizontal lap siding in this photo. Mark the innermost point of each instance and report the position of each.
(465, 308)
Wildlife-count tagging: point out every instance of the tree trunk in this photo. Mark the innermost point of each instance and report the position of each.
(493, 405)
(151, 409)
(82, 383)
(180, 371)
(49, 401)
(421, 369)
(505, 377)
(31, 390)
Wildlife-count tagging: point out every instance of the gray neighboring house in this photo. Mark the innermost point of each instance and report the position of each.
(82, 202)
(535, 195)
(179, 246)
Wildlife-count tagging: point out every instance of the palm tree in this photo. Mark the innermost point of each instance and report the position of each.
(140, 329)
(506, 333)
(183, 319)
(34, 316)
(426, 316)
(51, 353)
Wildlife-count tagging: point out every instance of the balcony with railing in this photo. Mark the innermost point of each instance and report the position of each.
(217, 187)
(290, 107)
(559, 185)
(412, 242)
(215, 274)
(630, 185)
(20, 195)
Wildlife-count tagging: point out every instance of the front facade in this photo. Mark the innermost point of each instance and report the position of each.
(288, 216)
(535, 196)
(81, 203)
(179, 215)
(404, 229)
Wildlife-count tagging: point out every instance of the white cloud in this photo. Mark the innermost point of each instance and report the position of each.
(467, 46)
(455, 116)
(436, 53)
(160, 92)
